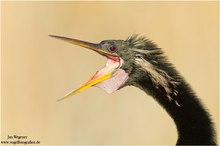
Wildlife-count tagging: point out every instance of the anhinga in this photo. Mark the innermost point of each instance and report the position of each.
(138, 62)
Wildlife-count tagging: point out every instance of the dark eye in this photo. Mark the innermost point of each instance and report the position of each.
(112, 48)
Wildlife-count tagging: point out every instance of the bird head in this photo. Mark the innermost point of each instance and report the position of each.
(128, 61)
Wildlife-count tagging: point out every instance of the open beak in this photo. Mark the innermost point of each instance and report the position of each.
(103, 74)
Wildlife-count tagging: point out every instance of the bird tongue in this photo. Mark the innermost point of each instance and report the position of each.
(110, 78)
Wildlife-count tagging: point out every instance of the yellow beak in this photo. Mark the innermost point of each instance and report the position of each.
(87, 85)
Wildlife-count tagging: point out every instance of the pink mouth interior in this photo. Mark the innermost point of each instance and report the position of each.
(112, 84)
(118, 78)
(110, 66)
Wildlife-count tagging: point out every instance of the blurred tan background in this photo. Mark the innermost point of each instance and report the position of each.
(37, 69)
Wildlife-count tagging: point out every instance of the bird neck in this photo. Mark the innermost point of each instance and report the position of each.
(193, 123)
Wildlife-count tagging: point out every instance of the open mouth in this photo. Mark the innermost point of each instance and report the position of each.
(110, 78)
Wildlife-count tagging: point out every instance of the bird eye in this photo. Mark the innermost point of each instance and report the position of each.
(112, 48)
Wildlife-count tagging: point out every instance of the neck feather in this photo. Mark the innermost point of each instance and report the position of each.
(193, 122)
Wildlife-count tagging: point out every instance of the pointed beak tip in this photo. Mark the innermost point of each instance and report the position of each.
(54, 36)
(59, 100)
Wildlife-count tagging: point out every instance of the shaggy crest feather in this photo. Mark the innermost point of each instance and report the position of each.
(139, 41)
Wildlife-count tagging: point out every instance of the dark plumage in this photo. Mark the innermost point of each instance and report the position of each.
(192, 120)
(138, 62)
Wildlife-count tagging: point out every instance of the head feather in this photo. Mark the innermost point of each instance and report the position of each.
(140, 42)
